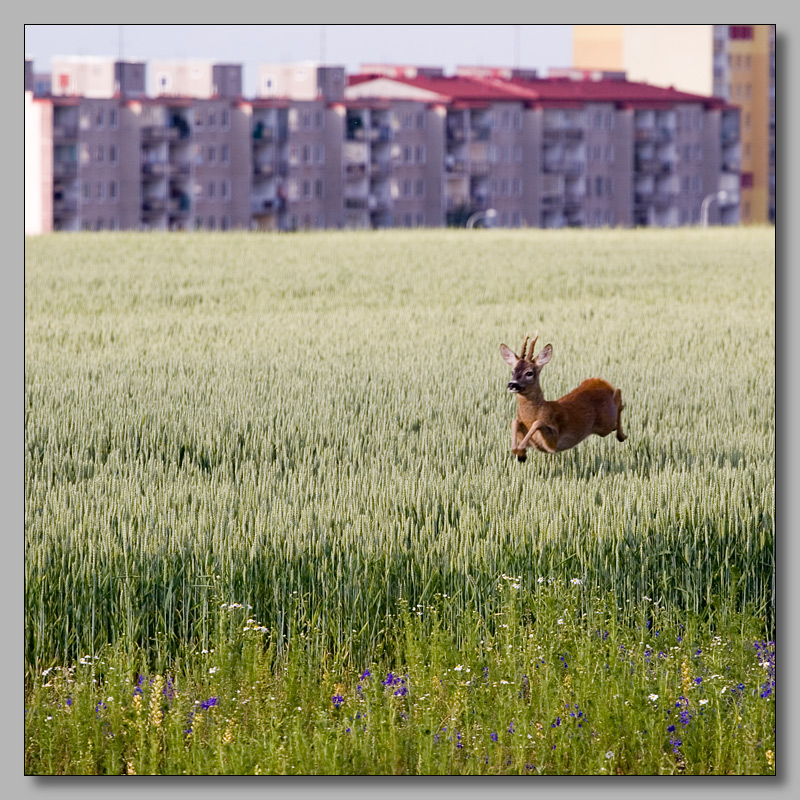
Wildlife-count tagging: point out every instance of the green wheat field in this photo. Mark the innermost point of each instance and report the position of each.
(273, 525)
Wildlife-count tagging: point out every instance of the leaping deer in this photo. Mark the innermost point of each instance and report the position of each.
(554, 425)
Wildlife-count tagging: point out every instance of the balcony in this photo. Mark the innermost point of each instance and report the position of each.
(380, 134)
(64, 132)
(652, 166)
(355, 171)
(263, 134)
(65, 169)
(265, 170)
(481, 134)
(567, 166)
(562, 133)
(64, 207)
(355, 202)
(267, 205)
(479, 169)
(154, 205)
(180, 205)
(180, 169)
(154, 133)
(380, 169)
(456, 133)
(552, 200)
(154, 169)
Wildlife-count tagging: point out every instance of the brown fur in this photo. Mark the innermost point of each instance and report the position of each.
(550, 426)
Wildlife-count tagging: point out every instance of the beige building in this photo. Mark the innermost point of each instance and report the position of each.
(734, 62)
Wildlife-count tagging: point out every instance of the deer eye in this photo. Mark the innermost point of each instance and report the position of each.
(529, 373)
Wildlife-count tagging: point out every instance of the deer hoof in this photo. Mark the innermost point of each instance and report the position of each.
(522, 458)
(621, 436)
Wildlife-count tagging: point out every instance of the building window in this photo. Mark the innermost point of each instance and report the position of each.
(100, 191)
(112, 191)
(421, 154)
(225, 119)
(113, 118)
(319, 188)
(320, 119)
(212, 120)
(320, 154)
(408, 154)
(407, 187)
(211, 223)
(421, 120)
(113, 155)
(86, 191)
(517, 121)
(212, 190)
(517, 186)
(306, 153)
(306, 190)
(504, 187)
(98, 119)
(305, 119)
(101, 154)
(225, 154)
(225, 223)
(598, 186)
(746, 180)
(517, 153)
(212, 154)
(225, 189)
(420, 188)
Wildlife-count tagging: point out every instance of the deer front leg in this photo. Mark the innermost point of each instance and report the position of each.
(548, 437)
(515, 449)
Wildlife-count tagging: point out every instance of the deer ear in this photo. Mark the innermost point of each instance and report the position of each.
(544, 356)
(508, 355)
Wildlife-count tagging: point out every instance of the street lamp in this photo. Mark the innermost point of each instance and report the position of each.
(488, 215)
(721, 196)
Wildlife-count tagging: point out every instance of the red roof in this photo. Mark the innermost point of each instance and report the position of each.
(557, 92)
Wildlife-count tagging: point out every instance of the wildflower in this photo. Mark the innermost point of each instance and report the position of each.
(458, 667)
(206, 704)
(156, 714)
(493, 737)
(560, 621)
(556, 723)
(576, 582)
(212, 670)
(337, 700)
(652, 697)
(770, 758)
(364, 675)
(609, 754)
(703, 701)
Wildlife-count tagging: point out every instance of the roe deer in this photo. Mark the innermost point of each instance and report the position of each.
(553, 425)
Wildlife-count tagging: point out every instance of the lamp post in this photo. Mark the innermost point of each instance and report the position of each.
(721, 196)
(489, 215)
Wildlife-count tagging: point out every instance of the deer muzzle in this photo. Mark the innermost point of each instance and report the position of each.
(513, 386)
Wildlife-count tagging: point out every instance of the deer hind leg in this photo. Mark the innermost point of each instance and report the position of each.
(621, 436)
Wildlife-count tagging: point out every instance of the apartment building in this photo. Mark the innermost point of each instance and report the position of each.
(732, 62)
(577, 149)
(392, 146)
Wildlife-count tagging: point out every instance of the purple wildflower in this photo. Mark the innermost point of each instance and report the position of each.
(206, 704)
(337, 700)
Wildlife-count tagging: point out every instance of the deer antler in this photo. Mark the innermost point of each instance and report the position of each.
(535, 337)
(524, 345)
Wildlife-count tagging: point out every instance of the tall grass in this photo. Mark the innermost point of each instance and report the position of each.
(317, 425)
